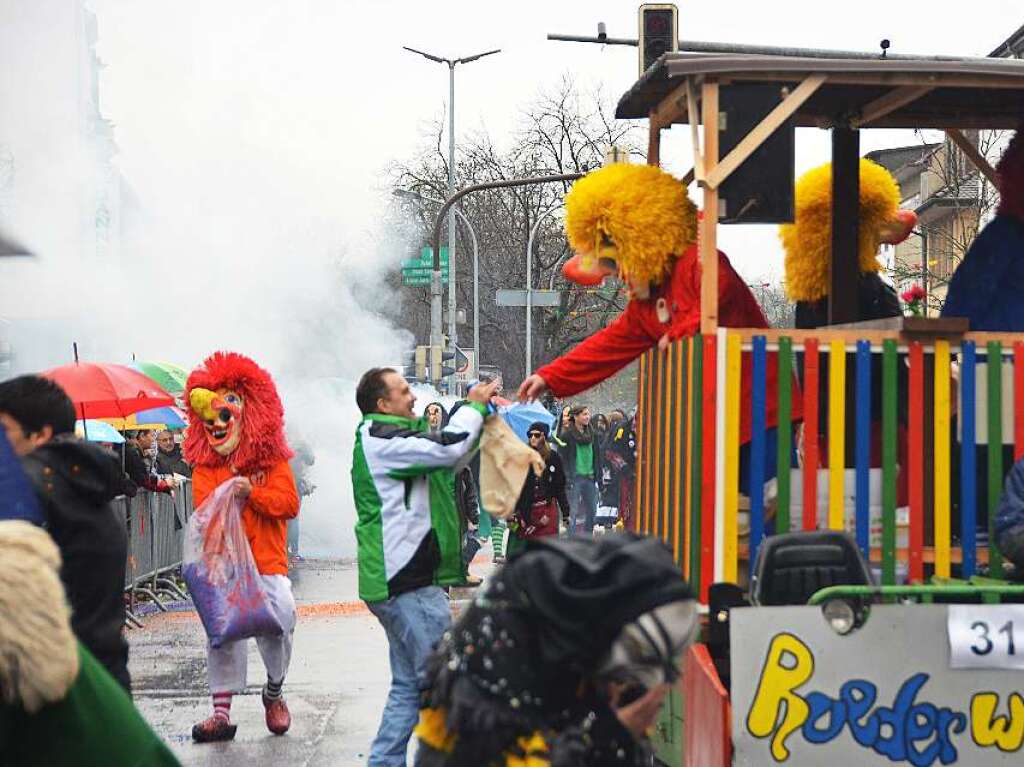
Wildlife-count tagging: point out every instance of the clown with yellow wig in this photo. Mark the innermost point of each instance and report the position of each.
(637, 222)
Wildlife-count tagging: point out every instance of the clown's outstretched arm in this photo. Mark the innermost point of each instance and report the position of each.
(278, 497)
(593, 360)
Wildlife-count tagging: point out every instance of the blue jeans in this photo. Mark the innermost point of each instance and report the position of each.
(583, 504)
(414, 623)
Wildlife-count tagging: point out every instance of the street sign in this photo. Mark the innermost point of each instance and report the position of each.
(541, 298)
(416, 272)
(464, 365)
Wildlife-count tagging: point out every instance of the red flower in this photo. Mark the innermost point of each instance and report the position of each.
(913, 293)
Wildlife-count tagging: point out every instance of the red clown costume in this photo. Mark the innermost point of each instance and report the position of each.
(236, 433)
(636, 221)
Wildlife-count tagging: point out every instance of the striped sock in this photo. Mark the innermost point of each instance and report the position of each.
(272, 689)
(222, 705)
(497, 535)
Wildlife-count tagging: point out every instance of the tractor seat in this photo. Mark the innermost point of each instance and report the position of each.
(792, 566)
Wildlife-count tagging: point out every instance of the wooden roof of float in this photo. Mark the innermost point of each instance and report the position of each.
(940, 92)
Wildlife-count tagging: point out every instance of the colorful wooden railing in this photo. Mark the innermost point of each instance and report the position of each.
(689, 414)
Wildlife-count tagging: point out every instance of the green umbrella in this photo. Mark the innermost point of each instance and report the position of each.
(166, 375)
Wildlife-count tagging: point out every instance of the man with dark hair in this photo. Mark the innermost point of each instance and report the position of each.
(137, 465)
(75, 482)
(408, 534)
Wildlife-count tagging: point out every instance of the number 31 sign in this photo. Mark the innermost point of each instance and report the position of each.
(986, 636)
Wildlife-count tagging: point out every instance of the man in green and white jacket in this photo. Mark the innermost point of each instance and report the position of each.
(408, 534)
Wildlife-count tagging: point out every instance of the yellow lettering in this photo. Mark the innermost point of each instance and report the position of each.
(987, 729)
(788, 666)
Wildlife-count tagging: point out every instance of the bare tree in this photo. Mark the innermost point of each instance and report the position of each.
(561, 131)
(954, 201)
(771, 295)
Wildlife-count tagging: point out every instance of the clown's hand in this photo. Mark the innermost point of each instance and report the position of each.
(243, 487)
(663, 343)
(531, 388)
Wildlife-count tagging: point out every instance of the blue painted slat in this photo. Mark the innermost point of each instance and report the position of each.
(862, 449)
(757, 445)
(968, 463)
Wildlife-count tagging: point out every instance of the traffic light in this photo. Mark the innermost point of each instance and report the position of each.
(659, 32)
(422, 356)
(438, 356)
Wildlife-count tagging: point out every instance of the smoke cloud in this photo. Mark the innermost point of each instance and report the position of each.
(229, 230)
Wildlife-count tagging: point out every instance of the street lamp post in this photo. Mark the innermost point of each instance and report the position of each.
(410, 195)
(435, 283)
(529, 286)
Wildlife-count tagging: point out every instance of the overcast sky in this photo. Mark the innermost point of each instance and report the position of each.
(316, 97)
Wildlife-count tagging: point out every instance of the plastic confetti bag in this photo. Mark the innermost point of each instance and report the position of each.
(504, 461)
(221, 573)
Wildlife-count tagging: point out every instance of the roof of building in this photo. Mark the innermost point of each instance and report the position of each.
(1012, 47)
(898, 158)
(961, 92)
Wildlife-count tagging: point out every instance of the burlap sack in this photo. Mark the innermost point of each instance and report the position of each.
(504, 461)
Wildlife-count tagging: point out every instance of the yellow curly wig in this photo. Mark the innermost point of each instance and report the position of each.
(808, 240)
(642, 209)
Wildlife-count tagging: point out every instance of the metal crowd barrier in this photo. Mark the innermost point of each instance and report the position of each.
(155, 523)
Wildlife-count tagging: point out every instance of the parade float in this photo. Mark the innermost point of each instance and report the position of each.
(844, 623)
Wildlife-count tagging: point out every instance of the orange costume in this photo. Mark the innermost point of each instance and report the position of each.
(274, 500)
(236, 434)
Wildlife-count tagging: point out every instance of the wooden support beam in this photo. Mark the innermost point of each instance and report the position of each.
(973, 154)
(693, 115)
(844, 271)
(671, 108)
(890, 102)
(709, 224)
(653, 142)
(719, 172)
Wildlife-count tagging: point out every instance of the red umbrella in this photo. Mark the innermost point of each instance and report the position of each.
(101, 390)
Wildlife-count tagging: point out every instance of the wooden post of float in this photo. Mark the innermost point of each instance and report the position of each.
(709, 225)
(844, 271)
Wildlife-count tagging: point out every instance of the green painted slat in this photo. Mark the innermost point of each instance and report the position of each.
(785, 387)
(995, 451)
(697, 414)
(889, 462)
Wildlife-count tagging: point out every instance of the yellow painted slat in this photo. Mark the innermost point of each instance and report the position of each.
(836, 433)
(732, 457)
(942, 460)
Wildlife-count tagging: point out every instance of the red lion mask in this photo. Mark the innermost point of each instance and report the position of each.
(234, 415)
(1010, 172)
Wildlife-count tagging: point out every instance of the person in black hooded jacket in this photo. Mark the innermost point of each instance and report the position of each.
(564, 660)
(466, 499)
(75, 482)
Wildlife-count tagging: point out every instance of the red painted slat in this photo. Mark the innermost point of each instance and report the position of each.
(707, 556)
(1018, 400)
(810, 468)
(707, 733)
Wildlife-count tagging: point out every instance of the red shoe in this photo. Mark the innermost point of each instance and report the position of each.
(278, 718)
(213, 729)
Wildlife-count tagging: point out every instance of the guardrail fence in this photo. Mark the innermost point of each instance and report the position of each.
(156, 535)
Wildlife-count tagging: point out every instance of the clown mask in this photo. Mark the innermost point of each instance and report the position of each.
(221, 414)
(590, 270)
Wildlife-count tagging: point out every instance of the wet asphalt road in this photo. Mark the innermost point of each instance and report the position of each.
(335, 689)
